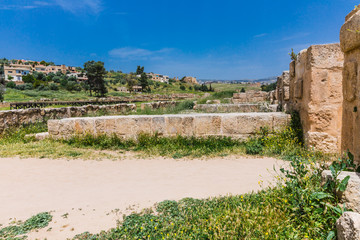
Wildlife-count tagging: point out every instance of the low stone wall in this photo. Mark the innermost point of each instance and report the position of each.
(157, 105)
(237, 125)
(4, 105)
(14, 118)
(229, 108)
(251, 97)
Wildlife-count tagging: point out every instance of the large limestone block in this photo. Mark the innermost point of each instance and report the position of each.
(207, 125)
(246, 123)
(159, 125)
(327, 56)
(126, 126)
(350, 40)
(280, 121)
(322, 141)
(286, 78)
(143, 124)
(85, 126)
(348, 226)
(66, 127)
(174, 125)
(188, 125)
(53, 127)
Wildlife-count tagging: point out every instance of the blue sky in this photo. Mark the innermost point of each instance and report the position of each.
(209, 39)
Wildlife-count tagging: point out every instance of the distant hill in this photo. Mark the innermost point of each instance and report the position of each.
(261, 80)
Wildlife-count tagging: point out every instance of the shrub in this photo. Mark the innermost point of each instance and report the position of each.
(54, 87)
(182, 87)
(186, 105)
(20, 87)
(28, 86)
(11, 85)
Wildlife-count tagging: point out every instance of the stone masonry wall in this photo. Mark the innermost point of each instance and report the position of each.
(14, 118)
(251, 97)
(237, 125)
(350, 45)
(316, 93)
(228, 108)
(157, 105)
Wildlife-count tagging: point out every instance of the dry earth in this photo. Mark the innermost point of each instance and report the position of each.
(93, 195)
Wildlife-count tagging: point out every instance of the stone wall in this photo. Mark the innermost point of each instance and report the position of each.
(251, 97)
(316, 93)
(350, 45)
(283, 91)
(237, 125)
(157, 105)
(14, 118)
(4, 105)
(229, 108)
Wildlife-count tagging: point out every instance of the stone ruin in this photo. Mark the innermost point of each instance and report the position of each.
(350, 45)
(282, 92)
(313, 87)
(251, 97)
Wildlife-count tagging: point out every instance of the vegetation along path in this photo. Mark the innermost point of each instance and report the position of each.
(93, 195)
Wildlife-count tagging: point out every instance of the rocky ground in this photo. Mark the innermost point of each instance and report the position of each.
(93, 195)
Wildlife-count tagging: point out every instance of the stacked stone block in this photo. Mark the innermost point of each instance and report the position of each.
(237, 125)
(315, 91)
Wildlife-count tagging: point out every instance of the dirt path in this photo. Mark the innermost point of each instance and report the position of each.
(92, 195)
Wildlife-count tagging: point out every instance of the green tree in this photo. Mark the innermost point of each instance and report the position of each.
(95, 72)
(139, 70)
(2, 93)
(10, 77)
(28, 78)
(11, 85)
(268, 87)
(242, 90)
(130, 83)
(144, 82)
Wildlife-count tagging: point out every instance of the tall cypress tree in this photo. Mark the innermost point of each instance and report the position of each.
(95, 72)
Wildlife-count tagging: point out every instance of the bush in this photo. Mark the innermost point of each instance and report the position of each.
(42, 88)
(28, 86)
(54, 87)
(182, 88)
(11, 85)
(186, 105)
(20, 87)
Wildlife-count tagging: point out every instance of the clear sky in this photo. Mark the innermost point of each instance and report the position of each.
(208, 39)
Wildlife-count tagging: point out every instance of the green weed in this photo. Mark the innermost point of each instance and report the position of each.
(13, 231)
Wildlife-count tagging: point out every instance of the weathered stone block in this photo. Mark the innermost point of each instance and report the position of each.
(174, 125)
(207, 125)
(348, 226)
(126, 126)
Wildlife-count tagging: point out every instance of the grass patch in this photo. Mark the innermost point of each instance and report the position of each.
(176, 147)
(17, 230)
(13, 143)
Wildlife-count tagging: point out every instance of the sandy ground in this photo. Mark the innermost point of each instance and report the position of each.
(93, 195)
